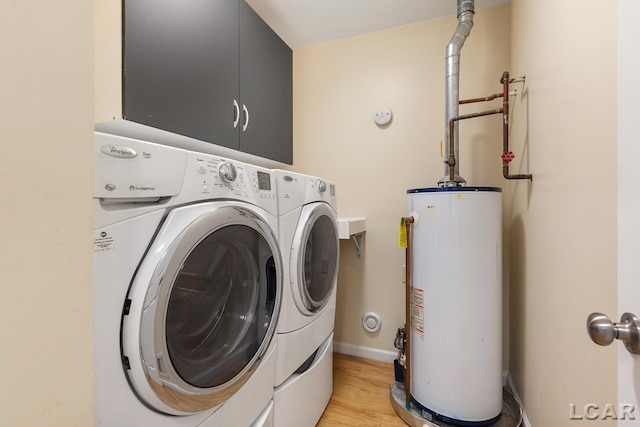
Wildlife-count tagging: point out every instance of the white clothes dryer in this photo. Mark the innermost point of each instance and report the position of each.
(310, 247)
(187, 287)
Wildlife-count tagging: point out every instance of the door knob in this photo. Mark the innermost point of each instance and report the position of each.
(603, 331)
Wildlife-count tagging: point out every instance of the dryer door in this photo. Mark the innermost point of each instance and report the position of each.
(315, 257)
(203, 307)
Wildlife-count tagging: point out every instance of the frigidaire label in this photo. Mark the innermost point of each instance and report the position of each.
(118, 151)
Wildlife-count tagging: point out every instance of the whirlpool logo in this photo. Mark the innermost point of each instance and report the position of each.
(118, 151)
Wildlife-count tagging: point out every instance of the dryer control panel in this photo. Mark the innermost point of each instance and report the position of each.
(295, 190)
(319, 190)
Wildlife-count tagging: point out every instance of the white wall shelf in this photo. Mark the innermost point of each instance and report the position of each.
(352, 228)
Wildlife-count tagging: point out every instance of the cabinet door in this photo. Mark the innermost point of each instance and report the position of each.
(265, 89)
(181, 67)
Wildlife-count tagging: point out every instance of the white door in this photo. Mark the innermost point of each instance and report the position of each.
(628, 201)
(627, 410)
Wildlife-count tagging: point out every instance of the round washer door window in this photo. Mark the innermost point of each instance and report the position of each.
(218, 314)
(318, 258)
(210, 309)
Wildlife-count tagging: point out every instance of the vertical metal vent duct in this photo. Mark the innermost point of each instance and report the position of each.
(465, 23)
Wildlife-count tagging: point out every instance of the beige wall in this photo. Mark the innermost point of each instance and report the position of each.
(563, 226)
(337, 88)
(45, 221)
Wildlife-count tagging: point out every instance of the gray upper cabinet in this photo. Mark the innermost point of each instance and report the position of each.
(211, 70)
(265, 89)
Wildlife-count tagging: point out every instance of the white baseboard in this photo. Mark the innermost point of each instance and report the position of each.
(525, 420)
(365, 352)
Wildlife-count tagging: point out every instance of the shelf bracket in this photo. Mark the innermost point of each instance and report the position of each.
(357, 239)
(352, 228)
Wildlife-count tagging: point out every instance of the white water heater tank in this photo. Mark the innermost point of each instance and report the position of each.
(456, 307)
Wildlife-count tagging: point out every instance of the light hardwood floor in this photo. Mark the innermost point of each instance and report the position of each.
(360, 394)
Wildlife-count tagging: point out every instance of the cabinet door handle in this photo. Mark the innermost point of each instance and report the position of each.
(236, 114)
(245, 123)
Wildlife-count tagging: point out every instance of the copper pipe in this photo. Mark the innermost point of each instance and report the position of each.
(407, 221)
(485, 99)
(507, 155)
(451, 161)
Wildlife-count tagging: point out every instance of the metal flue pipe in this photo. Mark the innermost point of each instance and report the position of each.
(452, 75)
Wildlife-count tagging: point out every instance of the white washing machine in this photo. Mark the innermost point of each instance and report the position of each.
(310, 248)
(187, 287)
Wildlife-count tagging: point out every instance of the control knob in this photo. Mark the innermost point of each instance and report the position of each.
(227, 172)
(322, 186)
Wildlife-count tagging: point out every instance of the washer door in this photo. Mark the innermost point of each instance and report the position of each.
(200, 323)
(315, 254)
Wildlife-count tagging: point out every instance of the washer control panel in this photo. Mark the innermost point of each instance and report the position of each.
(216, 177)
(227, 172)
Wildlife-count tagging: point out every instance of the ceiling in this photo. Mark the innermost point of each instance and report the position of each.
(304, 22)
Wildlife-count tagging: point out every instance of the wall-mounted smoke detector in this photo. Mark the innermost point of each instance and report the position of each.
(371, 322)
(382, 116)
